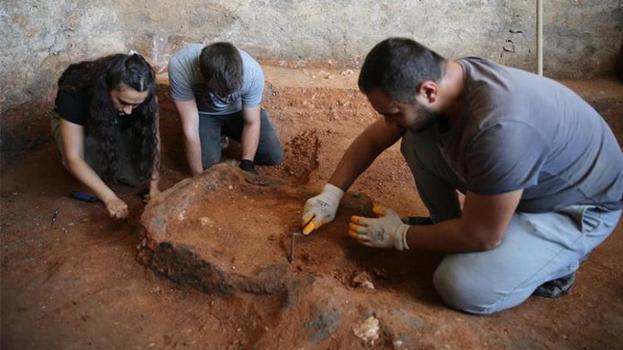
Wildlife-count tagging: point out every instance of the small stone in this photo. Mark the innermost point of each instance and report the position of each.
(368, 330)
(362, 280)
(367, 285)
(206, 221)
(398, 344)
(347, 72)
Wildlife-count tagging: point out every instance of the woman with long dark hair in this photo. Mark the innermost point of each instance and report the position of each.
(106, 125)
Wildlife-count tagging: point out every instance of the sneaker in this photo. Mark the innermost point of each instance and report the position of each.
(417, 220)
(556, 288)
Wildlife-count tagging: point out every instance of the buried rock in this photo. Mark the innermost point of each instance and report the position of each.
(227, 230)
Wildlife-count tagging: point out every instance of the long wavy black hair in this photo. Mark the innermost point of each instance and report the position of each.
(98, 78)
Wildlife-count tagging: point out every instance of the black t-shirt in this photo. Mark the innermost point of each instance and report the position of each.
(73, 106)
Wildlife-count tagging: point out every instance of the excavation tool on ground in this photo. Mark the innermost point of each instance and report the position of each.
(293, 238)
(307, 229)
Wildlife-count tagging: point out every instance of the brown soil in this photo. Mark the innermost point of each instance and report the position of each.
(75, 283)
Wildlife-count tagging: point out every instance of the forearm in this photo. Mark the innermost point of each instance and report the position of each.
(155, 167)
(193, 154)
(189, 116)
(85, 174)
(447, 236)
(250, 140)
(154, 181)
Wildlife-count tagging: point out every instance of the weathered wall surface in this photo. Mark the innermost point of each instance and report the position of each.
(39, 38)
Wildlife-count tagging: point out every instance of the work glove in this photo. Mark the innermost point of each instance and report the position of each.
(386, 231)
(247, 165)
(322, 208)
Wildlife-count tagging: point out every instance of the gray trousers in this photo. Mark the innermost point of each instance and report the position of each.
(211, 127)
(128, 171)
(536, 248)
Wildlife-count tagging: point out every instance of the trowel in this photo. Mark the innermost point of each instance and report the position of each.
(306, 230)
(295, 234)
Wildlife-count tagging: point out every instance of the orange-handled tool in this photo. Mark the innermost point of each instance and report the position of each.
(309, 227)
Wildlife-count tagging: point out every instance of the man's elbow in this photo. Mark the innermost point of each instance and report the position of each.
(489, 244)
(253, 123)
(487, 240)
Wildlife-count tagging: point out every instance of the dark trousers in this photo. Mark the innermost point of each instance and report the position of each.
(211, 127)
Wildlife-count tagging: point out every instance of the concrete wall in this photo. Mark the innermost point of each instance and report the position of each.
(39, 38)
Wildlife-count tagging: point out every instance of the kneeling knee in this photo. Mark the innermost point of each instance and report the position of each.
(207, 163)
(462, 292)
(274, 157)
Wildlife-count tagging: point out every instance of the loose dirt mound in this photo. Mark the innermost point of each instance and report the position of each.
(300, 158)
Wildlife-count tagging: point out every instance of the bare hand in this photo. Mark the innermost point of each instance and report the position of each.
(117, 208)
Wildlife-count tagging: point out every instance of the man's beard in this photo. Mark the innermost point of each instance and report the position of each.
(426, 118)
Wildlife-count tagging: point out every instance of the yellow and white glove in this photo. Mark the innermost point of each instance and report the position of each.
(321, 209)
(386, 231)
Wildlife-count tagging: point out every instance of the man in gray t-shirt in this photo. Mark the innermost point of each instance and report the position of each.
(217, 90)
(541, 171)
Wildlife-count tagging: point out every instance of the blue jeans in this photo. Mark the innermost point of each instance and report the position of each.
(537, 247)
(211, 127)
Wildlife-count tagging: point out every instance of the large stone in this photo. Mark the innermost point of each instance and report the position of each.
(227, 230)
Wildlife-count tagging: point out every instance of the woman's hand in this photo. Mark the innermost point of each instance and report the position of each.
(116, 208)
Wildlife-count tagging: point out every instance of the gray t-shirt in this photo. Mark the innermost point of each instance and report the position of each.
(522, 131)
(186, 83)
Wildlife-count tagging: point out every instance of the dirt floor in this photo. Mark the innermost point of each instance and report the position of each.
(76, 283)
